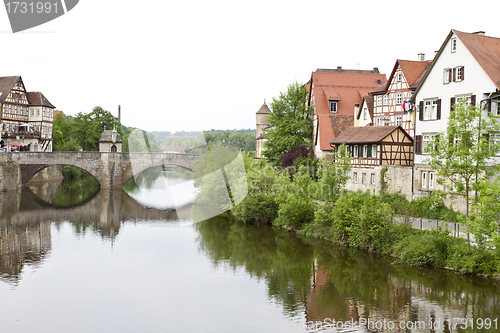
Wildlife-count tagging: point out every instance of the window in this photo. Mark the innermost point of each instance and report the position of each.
(379, 100)
(37, 112)
(431, 179)
(355, 177)
(459, 73)
(365, 113)
(363, 179)
(399, 120)
(424, 179)
(400, 77)
(399, 98)
(426, 142)
(374, 151)
(365, 151)
(333, 107)
(453, 45)
(372, 180)
(446, 75)
(386, 99)
(382, 121)
(495, 142)
(495, 107)
(355, 151)
(431, 110)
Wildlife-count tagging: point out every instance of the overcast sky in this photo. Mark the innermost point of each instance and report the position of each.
(198, 65)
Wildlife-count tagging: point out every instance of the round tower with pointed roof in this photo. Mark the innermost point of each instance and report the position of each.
(261, 119)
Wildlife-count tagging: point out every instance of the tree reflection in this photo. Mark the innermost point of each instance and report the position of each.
(325, 281)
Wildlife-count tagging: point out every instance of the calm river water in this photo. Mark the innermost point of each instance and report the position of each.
(73, 259)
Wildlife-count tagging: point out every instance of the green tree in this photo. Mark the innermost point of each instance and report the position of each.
(291, 123)
(463, 155)
(334, 176)
(85, 131)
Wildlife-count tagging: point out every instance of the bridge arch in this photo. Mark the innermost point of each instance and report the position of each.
(111, 170)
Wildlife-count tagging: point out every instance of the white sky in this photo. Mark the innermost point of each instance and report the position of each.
(198, 65)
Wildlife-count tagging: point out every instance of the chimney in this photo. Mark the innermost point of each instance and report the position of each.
(375, 70)
(421, 57)
(480, 33)
(119, 114)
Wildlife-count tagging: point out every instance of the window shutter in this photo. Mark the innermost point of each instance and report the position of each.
(437, 142)
(418, 144)
(473, 100)
(450, 73)
(462, 74)
(489, 105)
(421, 111)
(454, 74)
(452, 102)
(438, 115)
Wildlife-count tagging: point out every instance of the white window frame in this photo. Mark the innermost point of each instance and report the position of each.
(365, 113)
(333, 107)
(363, 178)
(400, 77)
(386, 99)
(399, 120)
(372, 176)
(453, 44)
(399, 98)
(424, 179)
(379, 100)
(495, 107)
(355, 152)
(365, 151)
(374, 151)
(446, 75)
(355, 177)
(458, 74)
(431, 179)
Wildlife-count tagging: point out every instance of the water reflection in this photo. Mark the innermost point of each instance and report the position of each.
(328, 283)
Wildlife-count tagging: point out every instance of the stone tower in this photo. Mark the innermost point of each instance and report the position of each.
(261, 119)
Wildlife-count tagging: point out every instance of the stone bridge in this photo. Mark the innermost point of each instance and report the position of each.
(111, 170)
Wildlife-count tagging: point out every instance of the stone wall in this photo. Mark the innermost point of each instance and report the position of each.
(397, 179)
(10, 176)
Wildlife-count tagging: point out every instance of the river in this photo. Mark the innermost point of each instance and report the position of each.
(76, 259)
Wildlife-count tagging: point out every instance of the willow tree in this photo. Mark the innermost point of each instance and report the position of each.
(463, 156)
(290, 123)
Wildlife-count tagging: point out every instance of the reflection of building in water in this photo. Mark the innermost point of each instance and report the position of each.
(390, 300)
(22, 244)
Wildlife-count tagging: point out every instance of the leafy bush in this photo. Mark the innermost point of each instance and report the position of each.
(429, 248)
(295, 211)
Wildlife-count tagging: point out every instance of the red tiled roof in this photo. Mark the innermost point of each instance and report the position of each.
(56, 112)
(486, 51)
(413, 71)
(349, 86)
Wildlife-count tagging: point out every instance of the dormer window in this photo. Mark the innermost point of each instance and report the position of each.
(333, 107)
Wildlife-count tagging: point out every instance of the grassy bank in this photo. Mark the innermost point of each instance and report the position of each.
(360, 220)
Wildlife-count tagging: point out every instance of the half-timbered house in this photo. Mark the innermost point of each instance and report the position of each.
(374, 148)
(25, 117)
(392, 105)
(41, 118)
(333, 93)
(363, 115)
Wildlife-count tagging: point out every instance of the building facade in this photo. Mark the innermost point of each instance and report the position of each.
(333, 94)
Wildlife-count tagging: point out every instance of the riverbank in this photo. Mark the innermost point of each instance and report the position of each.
(10, 175)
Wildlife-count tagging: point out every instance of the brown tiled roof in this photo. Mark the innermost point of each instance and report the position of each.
(264, 109)
(36, 98)
(364, 134)
(486, 51)
(6, 85)
(350, 86)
